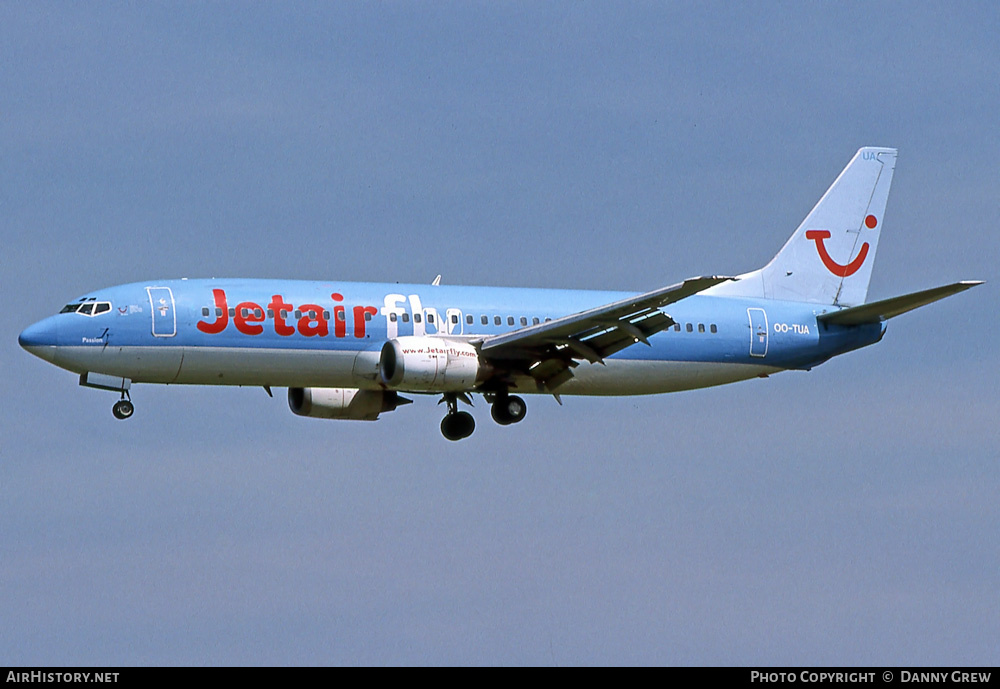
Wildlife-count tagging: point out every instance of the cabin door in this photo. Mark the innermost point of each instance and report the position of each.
(161, 303)
(758, 332)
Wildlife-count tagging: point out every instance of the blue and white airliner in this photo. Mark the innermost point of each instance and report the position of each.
(352, 350)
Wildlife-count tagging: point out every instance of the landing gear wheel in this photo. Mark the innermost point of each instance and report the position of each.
(516, 408)
(508, 409)
(123, 409)
(458, 425)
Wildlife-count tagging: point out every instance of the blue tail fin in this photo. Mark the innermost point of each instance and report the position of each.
(829, 258)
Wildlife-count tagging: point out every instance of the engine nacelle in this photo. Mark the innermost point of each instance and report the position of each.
(343, 403)
(430, 364)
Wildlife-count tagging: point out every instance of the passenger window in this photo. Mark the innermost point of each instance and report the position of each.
(244, 311)
(701, 327)
(534, 321)
(510, 320)
(218, 312)
(547, 320)
(430, 318)
(368, 316)
(714, 329)
(392, 317)
(416, 318)
(677, 327)
(524, 321)
(454, 319)
(204, 312)
(468, 320)
(689, 328)
(232, 312)
(486, 320)
(406, 318)
(270, 313)
(341, 316)
(496, 320)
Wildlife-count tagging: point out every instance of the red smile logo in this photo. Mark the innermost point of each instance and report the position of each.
(841, 270)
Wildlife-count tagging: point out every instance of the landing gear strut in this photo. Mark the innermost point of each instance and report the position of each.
(508, 409)
(456, 424)
(123, 408)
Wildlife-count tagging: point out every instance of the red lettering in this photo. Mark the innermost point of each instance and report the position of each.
(254, 314)
(313, 314)
(278, 305)
(339, 317)
(221, 320)
(359, 318)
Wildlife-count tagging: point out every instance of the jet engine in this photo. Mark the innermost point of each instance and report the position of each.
(431, 364)
(343, 403)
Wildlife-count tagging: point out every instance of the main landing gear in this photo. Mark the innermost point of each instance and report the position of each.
(457, 424)
(123, 408)
(505, 410)
(508, 409)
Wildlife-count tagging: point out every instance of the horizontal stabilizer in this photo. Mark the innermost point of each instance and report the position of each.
(887, 308)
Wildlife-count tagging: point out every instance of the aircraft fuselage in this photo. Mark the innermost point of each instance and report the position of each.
(329, 334)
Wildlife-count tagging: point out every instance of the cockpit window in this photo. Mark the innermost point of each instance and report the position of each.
(89, 307)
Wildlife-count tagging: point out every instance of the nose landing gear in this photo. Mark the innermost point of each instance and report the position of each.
(123, 408)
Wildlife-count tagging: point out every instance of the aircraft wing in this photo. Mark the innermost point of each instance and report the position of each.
(548, 351)
(887, 308)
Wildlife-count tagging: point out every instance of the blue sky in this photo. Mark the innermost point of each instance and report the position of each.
(842, 516)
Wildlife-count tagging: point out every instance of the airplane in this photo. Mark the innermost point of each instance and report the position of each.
(353, 350)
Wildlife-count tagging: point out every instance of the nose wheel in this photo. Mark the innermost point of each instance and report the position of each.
(123, 409)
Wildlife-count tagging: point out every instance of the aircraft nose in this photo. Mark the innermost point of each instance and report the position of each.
(40, 339)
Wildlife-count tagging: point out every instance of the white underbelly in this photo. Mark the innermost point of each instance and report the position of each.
(325, 368)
